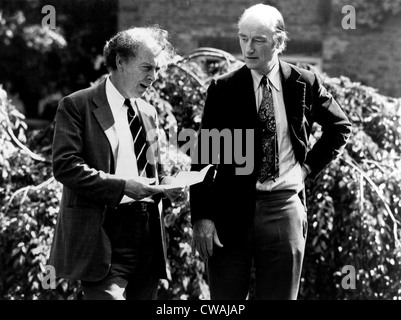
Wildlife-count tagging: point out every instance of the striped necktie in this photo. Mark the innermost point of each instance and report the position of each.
(269, 167)
(140, 145)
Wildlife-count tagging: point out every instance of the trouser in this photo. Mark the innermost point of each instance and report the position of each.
(275, 248)
(137, 256)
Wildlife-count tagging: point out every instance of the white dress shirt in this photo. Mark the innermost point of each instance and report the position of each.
(290, 171)
(126, 166)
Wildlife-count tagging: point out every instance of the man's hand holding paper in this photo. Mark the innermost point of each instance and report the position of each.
(188, 178)
(171, 188)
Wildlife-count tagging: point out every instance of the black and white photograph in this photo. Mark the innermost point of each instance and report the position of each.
(201, 154)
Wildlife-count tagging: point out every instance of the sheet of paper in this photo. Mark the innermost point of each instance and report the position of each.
(188, 178)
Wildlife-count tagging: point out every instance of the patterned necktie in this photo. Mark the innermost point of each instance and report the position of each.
(139, 137)
(269, 167)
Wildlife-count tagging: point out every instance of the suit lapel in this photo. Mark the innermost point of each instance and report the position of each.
(294, 95)
(246, 99)
(103, 113)
(105, 117)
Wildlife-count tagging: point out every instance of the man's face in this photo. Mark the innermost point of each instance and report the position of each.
(137, 74)
(257, 45)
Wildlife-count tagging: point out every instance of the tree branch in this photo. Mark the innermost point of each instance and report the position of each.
(354, 165)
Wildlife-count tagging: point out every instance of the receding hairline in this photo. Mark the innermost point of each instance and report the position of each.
(267, 15)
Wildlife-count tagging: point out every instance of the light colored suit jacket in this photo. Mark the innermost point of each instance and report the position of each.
(84, 149)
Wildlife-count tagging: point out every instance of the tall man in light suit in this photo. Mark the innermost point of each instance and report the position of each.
(260, 219)
(110, 232)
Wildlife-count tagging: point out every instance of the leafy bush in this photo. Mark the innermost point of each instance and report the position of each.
(354, 206)
(29, 58)
(37, 62)
(29, 204)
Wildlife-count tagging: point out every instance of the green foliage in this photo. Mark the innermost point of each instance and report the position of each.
(181, 87)
(28, 207)
(354, 206)
(185, 83)
(35, 62)
(187, 271)
(25, 50)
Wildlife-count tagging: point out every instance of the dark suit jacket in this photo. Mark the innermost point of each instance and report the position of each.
(229, 201)
(83, 162)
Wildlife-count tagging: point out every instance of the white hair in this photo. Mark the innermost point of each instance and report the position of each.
(271, 16)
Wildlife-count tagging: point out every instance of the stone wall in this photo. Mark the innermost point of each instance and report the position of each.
(372, 57)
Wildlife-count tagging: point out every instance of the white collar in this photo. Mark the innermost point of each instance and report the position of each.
(273, 76)
(114, 96)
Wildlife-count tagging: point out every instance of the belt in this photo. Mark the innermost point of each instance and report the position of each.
(136, 206)
(275, 194)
